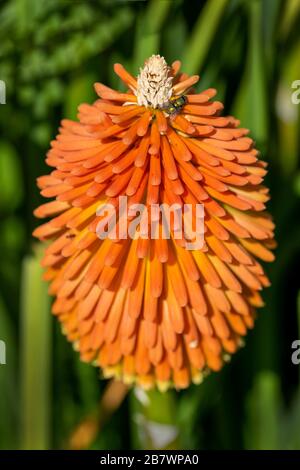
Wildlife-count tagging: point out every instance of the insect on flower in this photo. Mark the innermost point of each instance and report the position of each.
(174, 106)
(146, 309)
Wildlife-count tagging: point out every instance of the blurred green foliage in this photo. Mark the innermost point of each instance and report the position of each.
(51, 53)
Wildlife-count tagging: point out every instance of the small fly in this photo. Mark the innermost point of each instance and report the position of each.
(175, 105)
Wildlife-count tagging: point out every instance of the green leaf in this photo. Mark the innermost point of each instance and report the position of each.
(35, 356)
(252, 106)
(8, 385)
(11, 182)
(288, 112)
(153, 419)
(78, 91)
(148, 33)
(257, 78)
(264, 405)
(202, 35)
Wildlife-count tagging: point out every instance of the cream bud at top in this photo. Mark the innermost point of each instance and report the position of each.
(154, 83)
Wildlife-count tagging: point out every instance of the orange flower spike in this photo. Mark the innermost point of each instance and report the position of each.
(125, 76)
(107, 93)
(154, 139)
(141, 305)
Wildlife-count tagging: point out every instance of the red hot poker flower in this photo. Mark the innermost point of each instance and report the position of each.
(148, 310)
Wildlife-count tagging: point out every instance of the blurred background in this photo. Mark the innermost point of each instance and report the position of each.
(52, 51)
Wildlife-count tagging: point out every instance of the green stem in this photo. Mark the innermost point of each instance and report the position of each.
(35, 356)
(154, 424)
